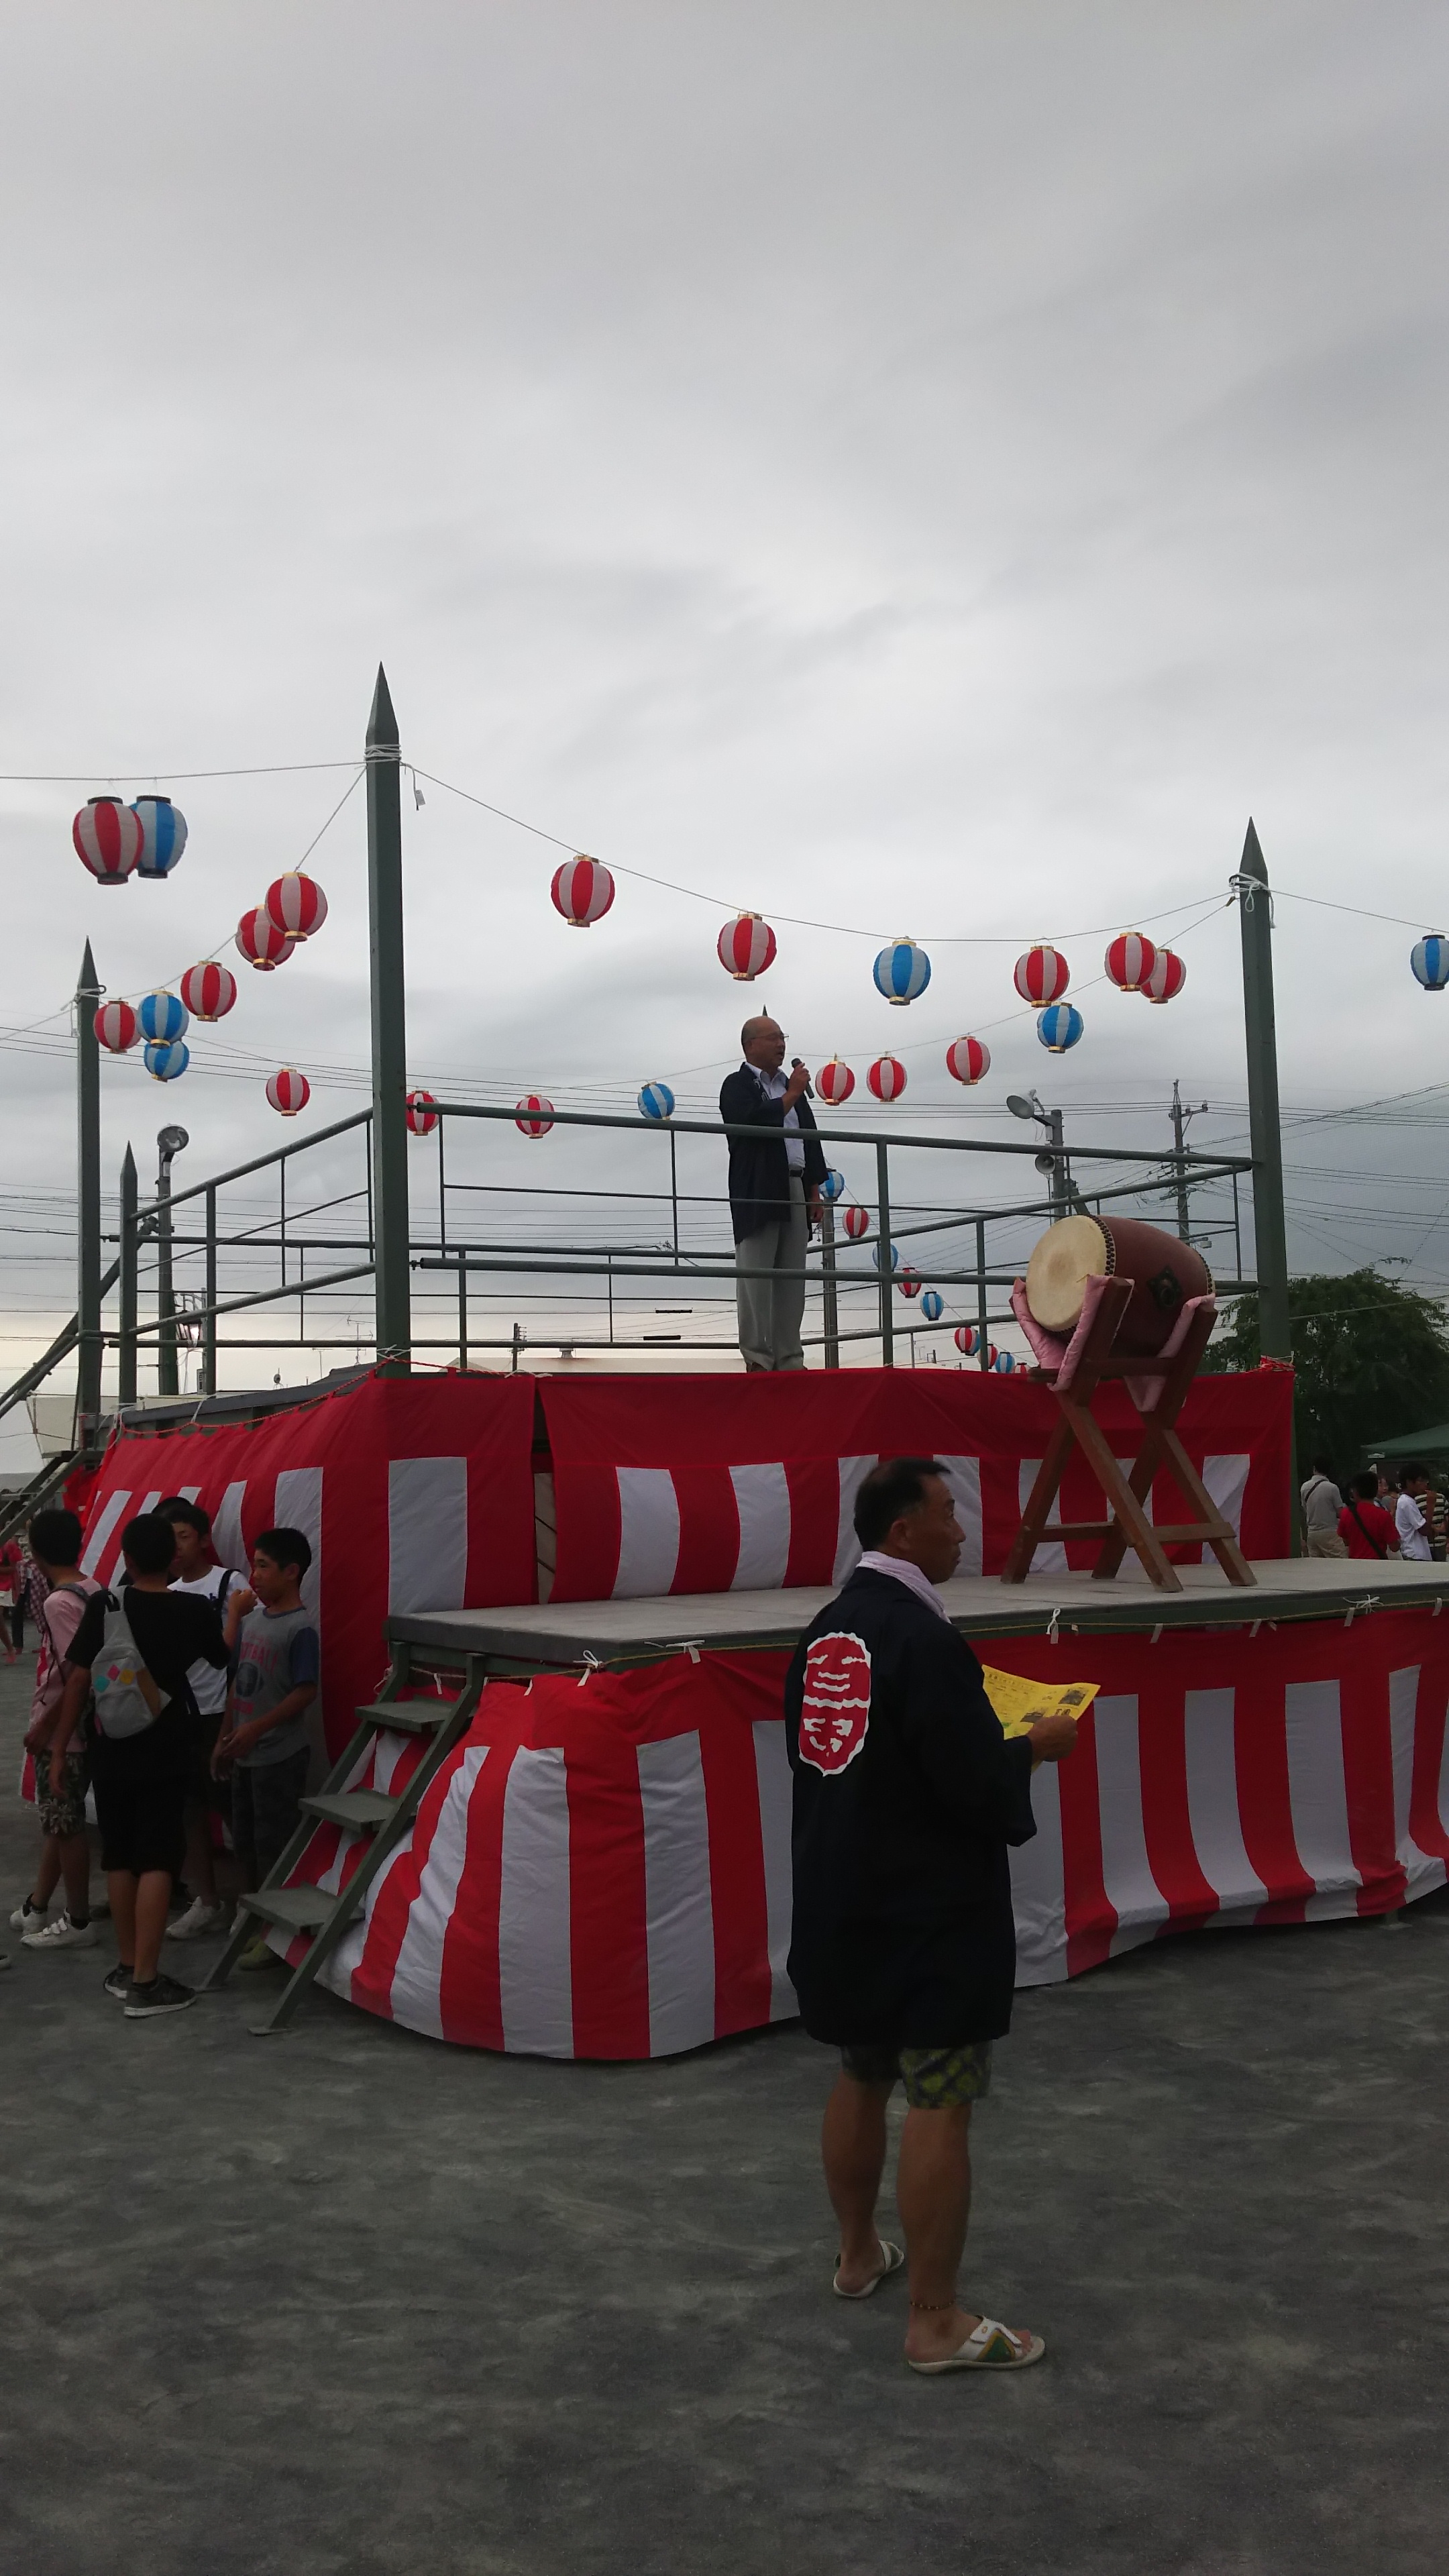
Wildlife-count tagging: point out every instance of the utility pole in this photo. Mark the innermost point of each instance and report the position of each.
(1180, 1120)
(130, 1248)
(88, 1191)
(1265, 1135)
(392, 1281)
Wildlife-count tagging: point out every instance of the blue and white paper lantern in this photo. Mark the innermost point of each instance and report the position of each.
(894, 1253)
(1004, 1363)
(933, 1306)
(163, 1018)
(902, 971)
(833, 1186)
(656, 1101)
(1059, 1027)
(1429, 958)
(168, 1063)
(165, 830)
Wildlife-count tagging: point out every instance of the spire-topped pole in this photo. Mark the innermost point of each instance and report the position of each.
(1270, 1240)
(88, 1205)
(391, 1277)
(126, 1320)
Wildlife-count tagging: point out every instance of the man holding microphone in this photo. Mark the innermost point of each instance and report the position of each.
(774, 1189)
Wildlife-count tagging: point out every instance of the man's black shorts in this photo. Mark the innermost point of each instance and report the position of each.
(140, 1811)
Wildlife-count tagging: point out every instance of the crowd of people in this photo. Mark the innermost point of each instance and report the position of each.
(1371, 1516)
(177, 1704)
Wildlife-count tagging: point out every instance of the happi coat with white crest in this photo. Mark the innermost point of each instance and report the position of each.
(907, 1798)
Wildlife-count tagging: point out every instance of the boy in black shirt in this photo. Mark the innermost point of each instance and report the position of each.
(140, 1780)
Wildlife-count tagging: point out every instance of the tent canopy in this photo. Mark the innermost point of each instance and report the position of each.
(1433, 1443)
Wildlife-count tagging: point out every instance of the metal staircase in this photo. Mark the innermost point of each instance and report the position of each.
(374, 1813)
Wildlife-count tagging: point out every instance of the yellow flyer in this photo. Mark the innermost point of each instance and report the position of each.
(1019, 1703)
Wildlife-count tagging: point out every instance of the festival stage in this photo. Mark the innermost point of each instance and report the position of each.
(600, 1867)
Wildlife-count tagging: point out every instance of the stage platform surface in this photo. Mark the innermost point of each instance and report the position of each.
(557, 1635)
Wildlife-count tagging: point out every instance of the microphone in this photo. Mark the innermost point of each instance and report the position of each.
(795, 1063)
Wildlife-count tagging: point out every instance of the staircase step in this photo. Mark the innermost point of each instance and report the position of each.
(294, 1909)
(407, 1716)
(358, 1809)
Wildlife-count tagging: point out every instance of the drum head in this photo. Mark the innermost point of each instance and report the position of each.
(1070, 1253)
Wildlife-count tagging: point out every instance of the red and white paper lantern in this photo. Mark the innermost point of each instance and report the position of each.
(582, 891)
(261, 943)
(208, 990)
(887, 1077)
(535, 1115)
(1129, 961)
(966, 1339)
(296, 904)
(746, 947)
(109, 837)
(834, 1082)
(968, 1060)
(909, 1282)
(1167, 977)
(856, 1222)
(422, 1117)
(1041, 975)
(117, 1027)
(289, 1091)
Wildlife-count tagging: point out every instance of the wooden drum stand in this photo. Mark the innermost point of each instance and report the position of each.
(1128, 1524)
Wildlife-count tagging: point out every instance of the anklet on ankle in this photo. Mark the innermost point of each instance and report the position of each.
(933, 2307)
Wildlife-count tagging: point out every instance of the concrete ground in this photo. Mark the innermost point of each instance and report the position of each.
(350, 2301)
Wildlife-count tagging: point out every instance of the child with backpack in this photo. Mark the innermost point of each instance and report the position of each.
(131, 1656)
(60, 1782)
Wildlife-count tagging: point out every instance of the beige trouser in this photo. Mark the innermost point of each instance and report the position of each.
(771, 1310)
(1326, 1543)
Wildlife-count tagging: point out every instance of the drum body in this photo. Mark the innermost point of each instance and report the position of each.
(1164, 1272)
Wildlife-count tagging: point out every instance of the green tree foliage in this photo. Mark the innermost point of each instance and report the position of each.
(1371, 1362)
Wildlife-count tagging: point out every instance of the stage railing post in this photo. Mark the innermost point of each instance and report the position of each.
(830, 1316)
(88, 1181)
(883, 1252)
(130, 1259)
(392, 1281)
(208, 1329)
(981, 1361)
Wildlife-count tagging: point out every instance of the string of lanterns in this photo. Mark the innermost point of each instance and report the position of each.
(145, 839)
(583, 891)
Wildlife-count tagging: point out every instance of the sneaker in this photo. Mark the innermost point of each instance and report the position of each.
(257, 1954)
(118, 1983)
(28, 1917)
(198, 1919)
(163, 1995)
(62, 1934)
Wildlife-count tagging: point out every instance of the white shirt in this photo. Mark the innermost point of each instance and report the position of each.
(908, 1574)
(208, 1685)
(774, 1086)
(1409, 1522)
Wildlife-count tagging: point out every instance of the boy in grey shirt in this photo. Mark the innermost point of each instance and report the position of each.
(264, 1740)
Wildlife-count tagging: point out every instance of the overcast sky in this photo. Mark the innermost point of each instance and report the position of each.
(918, 468)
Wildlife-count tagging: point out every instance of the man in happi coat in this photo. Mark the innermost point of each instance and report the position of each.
(907, 1799)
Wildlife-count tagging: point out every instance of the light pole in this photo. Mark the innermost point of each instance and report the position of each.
(170, 1142)
(1053, 1162)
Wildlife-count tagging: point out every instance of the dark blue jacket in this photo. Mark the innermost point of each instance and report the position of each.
(907, 1798)
(759, 1166)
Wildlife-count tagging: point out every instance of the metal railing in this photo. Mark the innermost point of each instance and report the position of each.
(857, 1294)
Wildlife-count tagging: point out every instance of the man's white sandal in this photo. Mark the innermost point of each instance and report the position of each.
(894, 2258)
(989, 2347)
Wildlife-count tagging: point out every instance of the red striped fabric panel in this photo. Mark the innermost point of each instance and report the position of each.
(1166, 1815)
